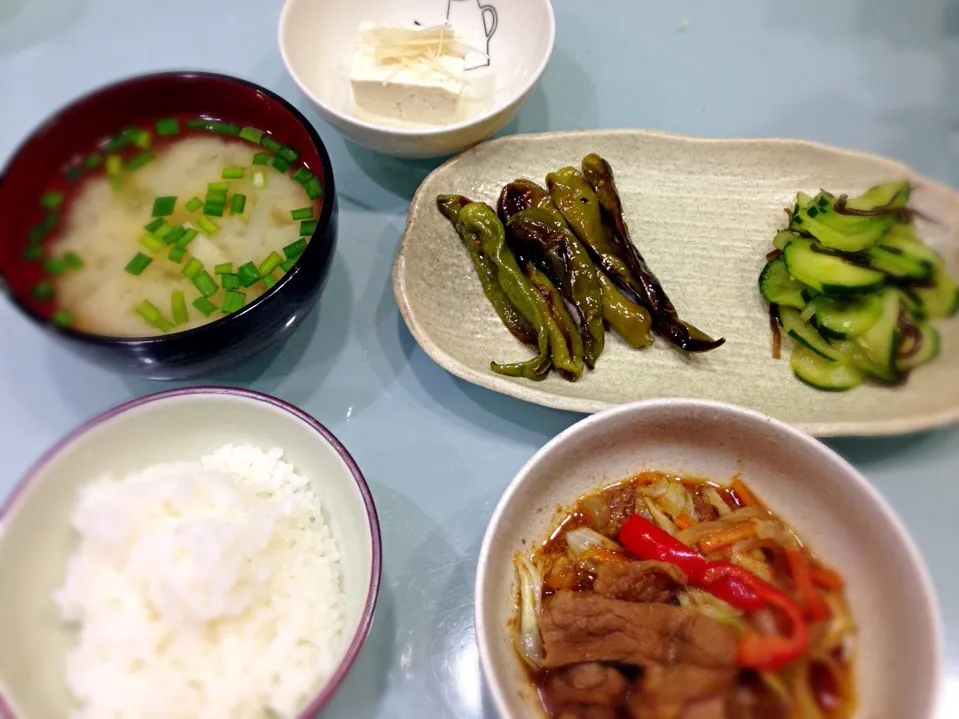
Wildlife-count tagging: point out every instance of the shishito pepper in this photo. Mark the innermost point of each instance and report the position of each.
(450, 206)
(565, 343)
(731, 583)
(599, 176)
(543, 237)
(630, 321)
(481, 222)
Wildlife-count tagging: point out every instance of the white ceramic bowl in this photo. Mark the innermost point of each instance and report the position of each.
(899, 662)
(182, 424)
(317, 40)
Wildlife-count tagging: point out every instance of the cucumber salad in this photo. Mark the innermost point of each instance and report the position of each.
(856, 289)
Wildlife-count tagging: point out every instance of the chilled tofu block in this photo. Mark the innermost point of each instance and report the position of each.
(398, 77)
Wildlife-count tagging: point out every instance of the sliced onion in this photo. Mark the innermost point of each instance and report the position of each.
(712, 496)
(529, 641)
(760, 569)
(699, 600)
(658, 488)
(664, 522)
(675, 499)
(583, 540)
(596, 510)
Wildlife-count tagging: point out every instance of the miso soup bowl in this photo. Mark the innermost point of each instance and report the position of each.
(514, 40)
(36, 536)
(899, 657)
(219, 345)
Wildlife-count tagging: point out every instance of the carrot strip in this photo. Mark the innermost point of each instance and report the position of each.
(826, 578)
(813, 605)
(684, 521)
(746, 497)
(606, 555)
(712, 541)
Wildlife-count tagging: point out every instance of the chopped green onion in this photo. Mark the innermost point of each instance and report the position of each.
(207, 225)
(142, 138)
(50, 220)
(33, 253)
(199, 123)
(233, 173)
(217, 187)
(307, 228)
(188, 234)
(43, 290)
(269, 280)
(194, 204)
(281, 163)
(177, 254)
(262, 158)
(167, 126)
(174, 235)
(163, 206)
(259, 178)
(154, 225)
(117, 143)
(114, 165)
(152, 243)
(93, 160)
(305, 213)
(139, 160)
(232, 301)
(164, 325)
(36, 234)
(51, 200)
(251, 134)
(163, 230)
(204, 305)
(139, 263)
(237, 204)
(230, 281)
(74, 173)
(224, 268)
(62, 318)
(192, 268)
(272, 261)
(313, 188)
(288, 265)
(72, 260)
(248, 274)
(293, 250)
(216, 197)
(223, 128)
(270, 144)
(213, 209)
(288, 154)
(149, 311)
(178, 307)
(302, 175)
(54, 266)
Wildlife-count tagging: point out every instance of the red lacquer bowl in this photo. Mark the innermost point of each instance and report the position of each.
(214, 347)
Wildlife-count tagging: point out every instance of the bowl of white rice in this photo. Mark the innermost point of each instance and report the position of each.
(200, 552)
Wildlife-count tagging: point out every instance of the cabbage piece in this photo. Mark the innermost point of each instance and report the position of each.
(529, 641)
(582, 540)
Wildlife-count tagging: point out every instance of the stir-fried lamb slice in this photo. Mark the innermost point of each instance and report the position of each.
(647, 581)
(682, 691)
(585, 627)
(621, 501)
(583, 689)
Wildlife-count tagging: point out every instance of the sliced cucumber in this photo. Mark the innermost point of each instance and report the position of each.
(840, 318)
(827, 273)
(776, 285)
(881, 340)
(782, 239)
(928, 350)
(821, 373)
(888, 194)
(806, 335)
(902, 237)
(898, 264)
(941, 299)
(854, 354)
(846, 233)
(912, 303)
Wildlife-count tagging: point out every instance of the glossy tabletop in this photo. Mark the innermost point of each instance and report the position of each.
(875, 75)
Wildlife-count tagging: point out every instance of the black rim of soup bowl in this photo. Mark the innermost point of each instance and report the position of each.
(317, 253)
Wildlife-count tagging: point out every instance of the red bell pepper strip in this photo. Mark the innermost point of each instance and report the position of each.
(814, 606)
(647, 541)
(729, 582)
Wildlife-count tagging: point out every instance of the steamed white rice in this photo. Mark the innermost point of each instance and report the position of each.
(202, 590)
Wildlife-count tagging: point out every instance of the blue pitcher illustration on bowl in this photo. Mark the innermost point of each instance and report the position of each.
(477, 23)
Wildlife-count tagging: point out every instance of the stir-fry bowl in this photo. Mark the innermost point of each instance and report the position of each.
(213, 347)
(36, 537)
(898, 661)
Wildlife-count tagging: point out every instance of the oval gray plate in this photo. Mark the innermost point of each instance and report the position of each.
(703, 213)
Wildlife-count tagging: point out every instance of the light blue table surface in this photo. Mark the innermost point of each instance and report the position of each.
(876, 75)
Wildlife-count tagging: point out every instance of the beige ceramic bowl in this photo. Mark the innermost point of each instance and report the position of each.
(899, 663)
(184, 424)
(317, 39)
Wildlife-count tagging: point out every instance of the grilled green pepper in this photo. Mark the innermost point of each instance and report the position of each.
(521, 195)
(599, 175)
(630, 321)
(481, 222)
(512, 318)
(541, 236)
(565, 342)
